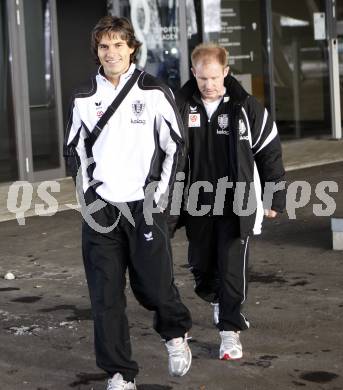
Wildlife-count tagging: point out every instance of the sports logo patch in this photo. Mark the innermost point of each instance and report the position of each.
(99, 110)
(194, 120)
(242, 131)
(223, 123)
(241, 127)
(138, 107)
(148, 236)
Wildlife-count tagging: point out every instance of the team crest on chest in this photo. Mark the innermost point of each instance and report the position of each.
(138, 108)
(223, 123)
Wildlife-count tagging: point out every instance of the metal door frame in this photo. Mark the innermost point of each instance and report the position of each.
(13, 15)
(183, 34)
(20, 87)
(335, 94)
(270, 57)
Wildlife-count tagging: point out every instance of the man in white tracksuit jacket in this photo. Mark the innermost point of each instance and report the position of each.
(138, 143)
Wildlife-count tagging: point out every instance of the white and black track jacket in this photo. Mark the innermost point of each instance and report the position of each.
(240, 141)
(142, 141)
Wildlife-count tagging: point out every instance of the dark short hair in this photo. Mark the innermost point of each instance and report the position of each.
(113, 24)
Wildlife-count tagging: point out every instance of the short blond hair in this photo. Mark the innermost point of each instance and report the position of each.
(207, 52)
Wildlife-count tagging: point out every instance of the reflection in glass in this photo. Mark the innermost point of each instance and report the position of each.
(237, 26)
(44, 130)
(194, 25)
(8, 153)
(301, 73)
(156, 25)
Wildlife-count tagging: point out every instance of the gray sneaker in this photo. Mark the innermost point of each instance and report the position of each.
(230, 347)
(180, 356)
(117, 383)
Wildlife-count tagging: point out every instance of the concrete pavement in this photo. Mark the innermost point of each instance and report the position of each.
(295, 307)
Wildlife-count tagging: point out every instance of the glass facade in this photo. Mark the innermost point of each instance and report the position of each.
(8, 149)
(156, 24)
(278, 51)
(301, 71)
(237, 25)
(339, 13)
(42, 101)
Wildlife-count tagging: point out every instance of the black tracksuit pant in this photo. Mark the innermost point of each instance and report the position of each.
(146, 252)
(218, 258)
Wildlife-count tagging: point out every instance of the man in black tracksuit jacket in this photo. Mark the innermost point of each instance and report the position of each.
(234, 153)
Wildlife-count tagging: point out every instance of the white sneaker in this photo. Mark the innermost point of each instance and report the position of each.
(215, 313)
(230, 347)
(180, 356)
(117, 383)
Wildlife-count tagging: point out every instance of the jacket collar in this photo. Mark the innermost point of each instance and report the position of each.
(123, 77)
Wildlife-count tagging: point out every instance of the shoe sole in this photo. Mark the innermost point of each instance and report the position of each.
(226, 356)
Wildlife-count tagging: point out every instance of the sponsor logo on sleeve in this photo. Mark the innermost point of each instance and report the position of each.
(243, 136)
(99, 110)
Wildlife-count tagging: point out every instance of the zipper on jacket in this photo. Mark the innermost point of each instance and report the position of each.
(234, 158)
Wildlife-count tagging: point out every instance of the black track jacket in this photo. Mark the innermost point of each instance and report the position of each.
(244, 129)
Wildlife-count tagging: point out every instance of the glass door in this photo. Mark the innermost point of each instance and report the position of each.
(36, 88)
(339, 16)
(8, 145)
(239, 26)
(44, 123)
(301, 68)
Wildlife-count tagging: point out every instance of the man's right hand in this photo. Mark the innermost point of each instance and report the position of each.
(270, 213)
